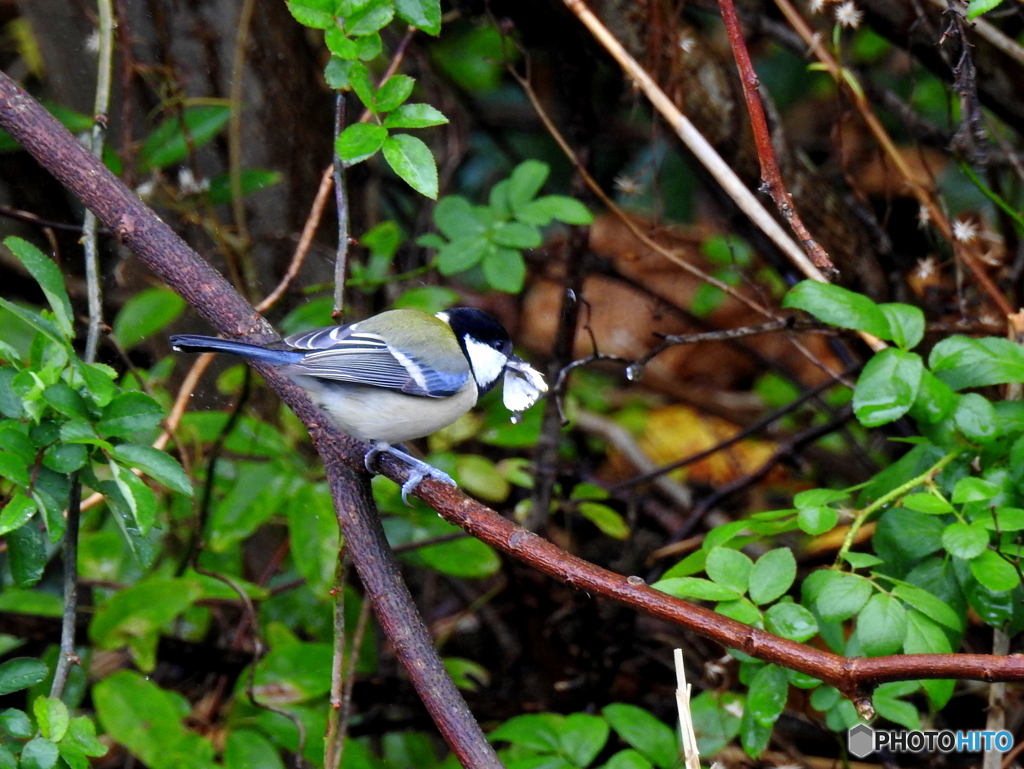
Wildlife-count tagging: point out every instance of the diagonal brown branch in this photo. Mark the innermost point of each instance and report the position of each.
(170, 258)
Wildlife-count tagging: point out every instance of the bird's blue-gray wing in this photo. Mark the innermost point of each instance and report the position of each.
(343, 354)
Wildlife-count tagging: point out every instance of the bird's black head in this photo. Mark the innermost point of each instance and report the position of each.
(484, 341)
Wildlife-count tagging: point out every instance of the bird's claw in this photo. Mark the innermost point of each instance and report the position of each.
(418, 469)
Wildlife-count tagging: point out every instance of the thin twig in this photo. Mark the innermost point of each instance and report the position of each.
(696, 143)
(332, 749)
(67, 657)
(846, 80)
(743, 434)
(770, 173)
(341, 203)
(305, 240)
(235, 122)
(362, 623)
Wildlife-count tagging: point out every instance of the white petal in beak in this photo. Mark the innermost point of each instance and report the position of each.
(523, 385)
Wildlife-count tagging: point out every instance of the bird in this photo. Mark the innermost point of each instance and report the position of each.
(396, 376)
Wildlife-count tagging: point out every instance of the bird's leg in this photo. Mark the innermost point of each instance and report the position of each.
(419, 468)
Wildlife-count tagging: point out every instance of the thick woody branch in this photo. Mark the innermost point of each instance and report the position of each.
(171, 259)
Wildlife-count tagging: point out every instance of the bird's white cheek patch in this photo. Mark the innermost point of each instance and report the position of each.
(487, 362)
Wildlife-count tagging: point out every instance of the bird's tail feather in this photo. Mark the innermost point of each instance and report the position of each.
(199, 343)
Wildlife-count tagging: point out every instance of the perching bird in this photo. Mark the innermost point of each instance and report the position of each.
(396, 376)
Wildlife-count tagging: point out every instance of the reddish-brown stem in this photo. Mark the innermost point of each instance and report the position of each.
(770, 174)
(171, 259)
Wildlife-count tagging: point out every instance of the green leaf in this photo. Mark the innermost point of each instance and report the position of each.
(881, 625)
(368, 47)
(369, 17)
(396, 89)
(17, 723)
(534, 731)
(582, 737)
(994, 573)
(729, 568)
(766, 697)
(862, 560)
(252, 499)
(129, 413)
(791, 620)
(772, 575)
(145, 314)
(82, 734)
(632, 759)
(248, 749)
(318, 14)
(10, 403)
(965, 540)
(429, 299)
(466, 674)
(544, 210)
(351, 74)
(467, 558)
(98, 379)
(516, 235)
(1004, 519)
(842, 597)
(457, 218)
(972, 489)
(415, 116)
(39, 753)
(935, 401)
(505, 269)
(754, 736)
(49, 278)
(33, 319)
(66, 401)
(146, 719)
(897, 711)
(135, 615)
(26, 554)
(930, 605)
(818, 497)
(52, 716)
(410, 158)
(462, 254)
(976, 418)
(157, 464)
(479, 476)
(924, 636)
(962, 362)
(422, 14)
(639, 729)
(360, 141)
(253, 180)
(295, 672)
(136, 495)
(176, 137)
(13, 468)
(817, 520)
(17, 512)
(606, 519)
(977, 7)
(313, 540)
(694, 587)
(839, 307)
(887, 387)
(906, 324)
(932, 504)
(525, 182)
(21, 673)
